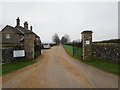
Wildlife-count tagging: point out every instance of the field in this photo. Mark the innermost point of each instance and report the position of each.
(104, 65)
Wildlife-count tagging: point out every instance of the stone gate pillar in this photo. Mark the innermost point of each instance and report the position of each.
(86, 45)
(29, 45)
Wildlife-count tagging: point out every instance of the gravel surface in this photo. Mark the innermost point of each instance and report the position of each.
(56, 69)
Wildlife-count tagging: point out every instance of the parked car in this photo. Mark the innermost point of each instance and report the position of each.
(46, 46)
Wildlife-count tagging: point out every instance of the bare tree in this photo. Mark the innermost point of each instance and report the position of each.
(65, 39)
(56, 39)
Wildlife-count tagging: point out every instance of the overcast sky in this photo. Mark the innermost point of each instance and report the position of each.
(62, 18)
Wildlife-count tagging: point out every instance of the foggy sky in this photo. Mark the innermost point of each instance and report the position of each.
(62, 18)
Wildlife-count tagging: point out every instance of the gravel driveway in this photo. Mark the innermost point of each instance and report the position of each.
(56, 69)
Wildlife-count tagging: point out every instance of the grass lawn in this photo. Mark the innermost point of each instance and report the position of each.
(8, 68)
(104, 65)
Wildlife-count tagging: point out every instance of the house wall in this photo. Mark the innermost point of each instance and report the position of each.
(13, 36)
(29, 39)
(31, 48)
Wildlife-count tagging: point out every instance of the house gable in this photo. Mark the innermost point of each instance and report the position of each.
(10, 34)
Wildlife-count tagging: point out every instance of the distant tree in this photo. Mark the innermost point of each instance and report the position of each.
(65, 39)
(56, 39)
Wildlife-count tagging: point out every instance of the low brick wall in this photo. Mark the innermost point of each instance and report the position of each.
(106, 51)
(7, 54)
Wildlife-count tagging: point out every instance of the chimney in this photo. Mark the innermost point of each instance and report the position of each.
(18, 21)
(26, 25)
(31, 28)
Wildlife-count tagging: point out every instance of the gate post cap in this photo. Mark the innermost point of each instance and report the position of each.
(87, 31)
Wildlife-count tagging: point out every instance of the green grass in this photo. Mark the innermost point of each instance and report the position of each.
(104, 65)
(8, 68)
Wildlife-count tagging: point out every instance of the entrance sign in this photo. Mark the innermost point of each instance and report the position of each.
(18, 53)
(87, 42)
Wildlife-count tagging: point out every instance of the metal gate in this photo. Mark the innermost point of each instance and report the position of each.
(77, 49)
(37, 49)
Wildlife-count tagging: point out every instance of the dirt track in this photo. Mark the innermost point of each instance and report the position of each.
(56, 69)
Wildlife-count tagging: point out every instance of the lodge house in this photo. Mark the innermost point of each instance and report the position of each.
(20, 36)
(16, 34)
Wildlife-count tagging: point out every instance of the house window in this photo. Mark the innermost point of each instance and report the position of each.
(7, 35)
(37, 38)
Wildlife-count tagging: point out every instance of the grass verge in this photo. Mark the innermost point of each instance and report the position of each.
(104, 65)
(8, 68)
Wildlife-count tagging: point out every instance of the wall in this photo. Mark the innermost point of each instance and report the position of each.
(105, 51)
(7, 54)
(99, 51)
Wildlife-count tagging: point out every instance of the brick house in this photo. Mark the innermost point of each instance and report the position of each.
(16, 34)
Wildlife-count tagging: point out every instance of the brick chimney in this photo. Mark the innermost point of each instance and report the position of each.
(31, 28)
(18, 22)
(26, 25)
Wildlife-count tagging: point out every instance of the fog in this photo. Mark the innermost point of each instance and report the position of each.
(62, 18)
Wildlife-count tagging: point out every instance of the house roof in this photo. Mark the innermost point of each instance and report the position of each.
(24, 30)
(12, 28)
(20, 30)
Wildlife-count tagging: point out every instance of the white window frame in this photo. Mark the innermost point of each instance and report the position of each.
(7, 36)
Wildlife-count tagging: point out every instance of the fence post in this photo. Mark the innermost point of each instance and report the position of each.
(87, 45)
(29, 45)
(73, 47)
